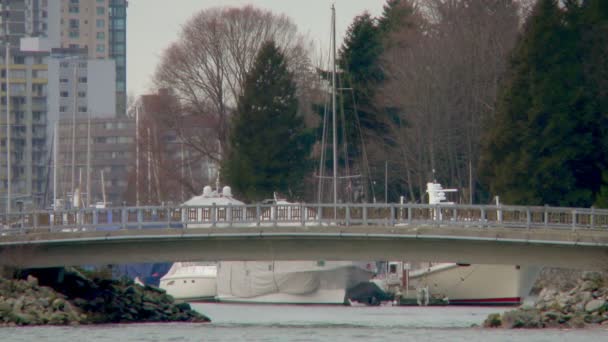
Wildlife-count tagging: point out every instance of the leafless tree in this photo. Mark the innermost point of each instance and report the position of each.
(207, 66)
(443, 77)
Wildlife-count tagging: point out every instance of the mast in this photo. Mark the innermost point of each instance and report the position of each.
(88, 170)
(103, 189)
(333, 105)
(136, 155)
(74, 79)
(55, 155)
(8, 124)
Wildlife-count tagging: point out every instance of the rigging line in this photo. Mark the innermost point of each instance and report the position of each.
(323, 146)
(363, 149)
(345, 142)
(325, 128)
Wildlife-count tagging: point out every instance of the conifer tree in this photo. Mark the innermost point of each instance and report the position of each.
(269, 149)
(545, 146)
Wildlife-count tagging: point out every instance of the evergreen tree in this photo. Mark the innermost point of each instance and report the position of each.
(545, 146)
(396, 15)
(361, 73)
(269, 146)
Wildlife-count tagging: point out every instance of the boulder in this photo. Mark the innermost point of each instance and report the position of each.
(493, 321)
(595, 305)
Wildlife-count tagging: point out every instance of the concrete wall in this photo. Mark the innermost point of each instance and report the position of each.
(101, 92)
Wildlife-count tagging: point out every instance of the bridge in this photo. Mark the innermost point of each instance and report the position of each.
(548, 236)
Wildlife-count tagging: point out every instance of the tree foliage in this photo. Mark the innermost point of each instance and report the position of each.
(548, 143)
(443, 66)
(269, 146)
(207, 66)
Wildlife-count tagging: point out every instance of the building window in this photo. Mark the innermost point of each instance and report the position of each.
(82, 109)
(119, 24)
(74, 34)
(82, 94)
(19, 60)
(100, 23)
(63, 109)
(74, 9)
(101, 48)
(82, 80)
(63, 80)
(74, 23)
(64, 94)
(101, 11)
(101, 35)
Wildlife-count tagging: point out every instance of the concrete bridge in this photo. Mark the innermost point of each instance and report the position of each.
(547, 236)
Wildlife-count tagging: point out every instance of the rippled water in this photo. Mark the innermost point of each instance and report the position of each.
(233, 322)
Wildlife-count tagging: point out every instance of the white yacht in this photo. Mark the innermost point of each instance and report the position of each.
(191, 281)
(196, 281)
(459, 284)
(456, 283)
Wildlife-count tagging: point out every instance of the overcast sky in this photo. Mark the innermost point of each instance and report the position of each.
(153, 24)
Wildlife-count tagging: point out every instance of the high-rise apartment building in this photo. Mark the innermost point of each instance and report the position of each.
(99, 26)
(88, 148)
(29, 154)
(64, 58)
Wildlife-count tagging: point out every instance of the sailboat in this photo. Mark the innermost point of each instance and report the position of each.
(294, 282)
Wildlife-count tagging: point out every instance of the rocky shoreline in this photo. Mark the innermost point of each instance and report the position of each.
(67, 297)
(584, 305)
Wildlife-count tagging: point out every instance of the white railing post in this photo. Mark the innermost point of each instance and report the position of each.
(592, 219)
(274, 211)
(573, 219)
(546, 216)
(392, 213)
(409, 215)
(258, 214)
(364, 214)
(483, 217)
(347, 215)
(229, 214)
(528, 218)
(302, 213)
(140, 217)
(123, 218)
(213, 215)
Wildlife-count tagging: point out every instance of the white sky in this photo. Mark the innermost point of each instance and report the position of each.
(153, 24)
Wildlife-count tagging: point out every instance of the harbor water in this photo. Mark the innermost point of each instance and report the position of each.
(234, 322)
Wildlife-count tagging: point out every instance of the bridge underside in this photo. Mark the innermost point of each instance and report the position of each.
(581, 250)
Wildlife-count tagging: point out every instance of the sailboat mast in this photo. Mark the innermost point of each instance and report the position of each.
(333, 105)
(55, 155)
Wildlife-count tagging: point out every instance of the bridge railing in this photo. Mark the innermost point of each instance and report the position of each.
(303, 214)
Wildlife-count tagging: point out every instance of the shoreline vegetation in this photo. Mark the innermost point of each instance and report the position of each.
(67, 297)
(581, 306)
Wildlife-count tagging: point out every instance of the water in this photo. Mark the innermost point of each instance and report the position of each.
(233, 322)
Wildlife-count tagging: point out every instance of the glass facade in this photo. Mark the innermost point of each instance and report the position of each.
(118, 50)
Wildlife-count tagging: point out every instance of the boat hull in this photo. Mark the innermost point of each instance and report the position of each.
(190, 289)
(487, 285)
(191, 282)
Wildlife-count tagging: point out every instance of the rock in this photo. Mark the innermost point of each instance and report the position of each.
(493, 321)
(32, 280)
(5, 308)
(551, 316)
(592, 276)
(595, 305)
(590, 285)
(58, 304)
(522, 319)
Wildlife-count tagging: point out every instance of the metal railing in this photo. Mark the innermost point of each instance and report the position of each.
(302, 215)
